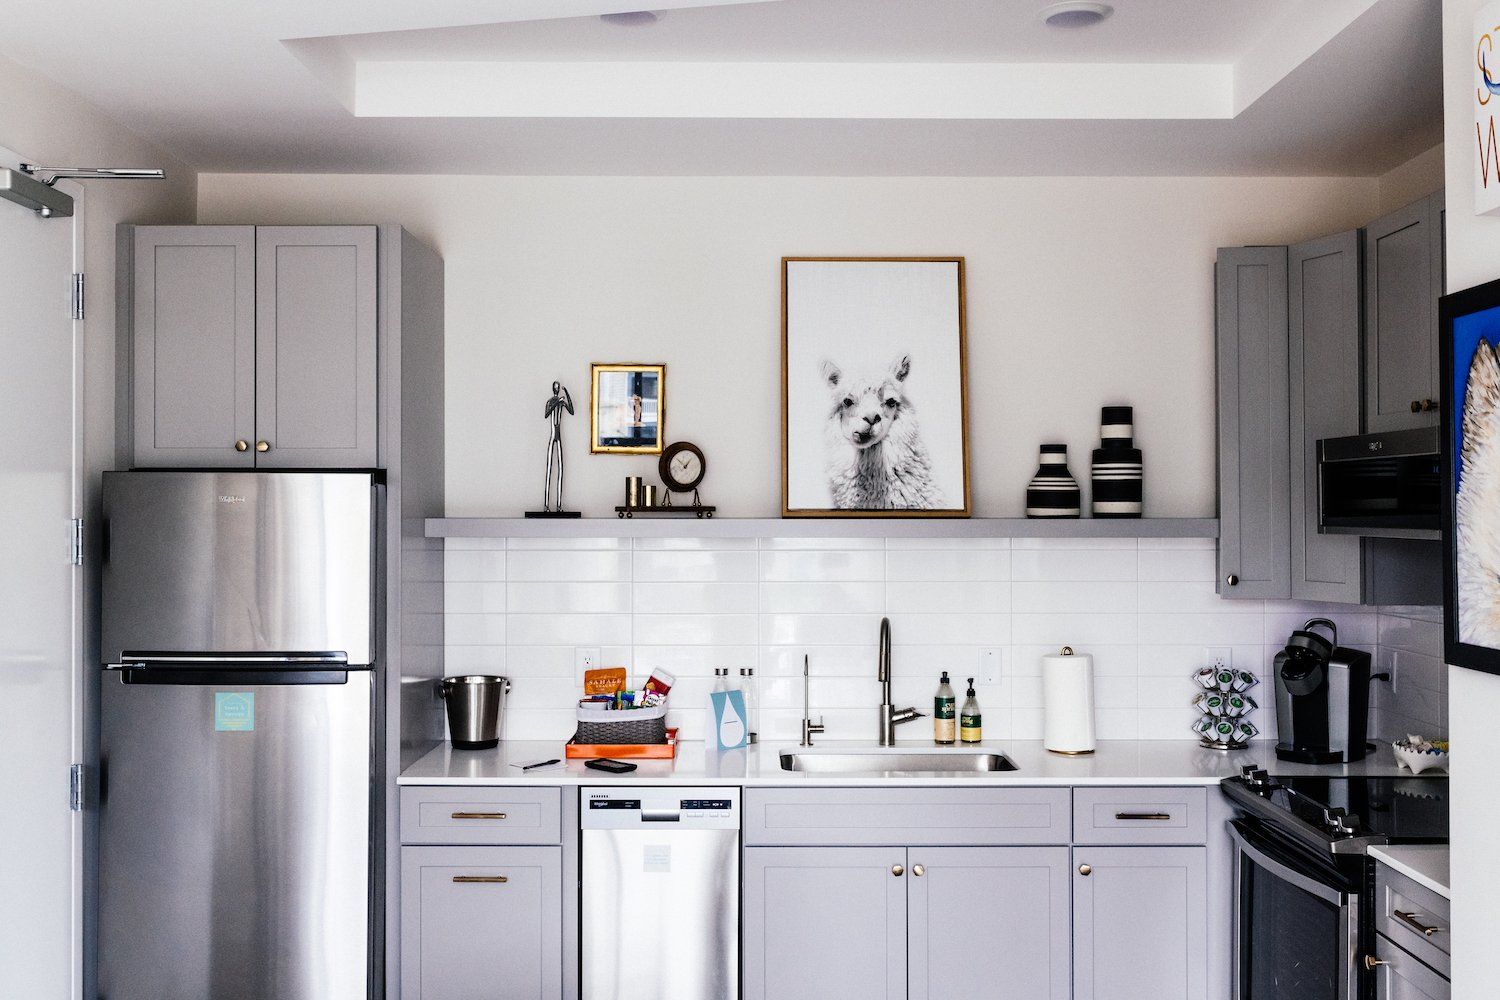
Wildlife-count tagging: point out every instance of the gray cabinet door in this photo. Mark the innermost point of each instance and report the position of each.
(988, 922)
(315, 369)
(467, 936)
(1402, 977)
(825, 923)
(193, 346)
(1324, 333)
(1401, 353)
(1138, 923)
(1251, 315)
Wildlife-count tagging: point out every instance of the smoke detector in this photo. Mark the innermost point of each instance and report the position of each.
(1075, 14)
(630, 18)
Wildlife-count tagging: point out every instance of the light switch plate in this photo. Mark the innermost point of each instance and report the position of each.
(991, 667)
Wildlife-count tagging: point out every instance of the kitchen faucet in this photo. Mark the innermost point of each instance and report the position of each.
(890, 717)
(809, 727)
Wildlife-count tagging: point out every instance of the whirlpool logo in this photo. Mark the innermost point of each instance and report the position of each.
(230, 498)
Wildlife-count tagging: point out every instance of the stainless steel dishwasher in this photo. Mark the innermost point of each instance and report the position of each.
(660, 893)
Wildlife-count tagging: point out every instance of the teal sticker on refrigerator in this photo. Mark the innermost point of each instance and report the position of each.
(234, 711)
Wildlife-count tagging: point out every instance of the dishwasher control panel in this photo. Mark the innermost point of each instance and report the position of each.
(622, 808)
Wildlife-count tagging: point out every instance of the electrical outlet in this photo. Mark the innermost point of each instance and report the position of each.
(585, 658)
(991, 668)
(1219, 657)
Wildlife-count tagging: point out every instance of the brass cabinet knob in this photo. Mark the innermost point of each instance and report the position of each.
(1416, 406)
(897, 870)
(242, 445)
(1085, 869)
(262, 446)
(1232, 580)
(1372, 963)
(1423, 405)
(918, 870)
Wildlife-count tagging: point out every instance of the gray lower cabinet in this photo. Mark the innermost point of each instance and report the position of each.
(315, 338)
(1403, 271)
(825, 923)
(1402, 977)
(189, 303)
(925, 923)
(1138, 923)
(249, 347)
(481, 923)
(1251, 321)
(1324, 348)
(988, 922)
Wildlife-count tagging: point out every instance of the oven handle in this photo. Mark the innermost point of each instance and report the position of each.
(1287, 874)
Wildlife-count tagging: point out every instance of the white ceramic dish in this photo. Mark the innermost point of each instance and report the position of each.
(1418, 761)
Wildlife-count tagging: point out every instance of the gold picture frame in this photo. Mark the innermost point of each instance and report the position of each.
(625, 400)
(960, 416)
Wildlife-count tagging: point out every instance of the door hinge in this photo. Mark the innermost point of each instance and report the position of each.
(75, 787)
(77, 556)
(76, 298)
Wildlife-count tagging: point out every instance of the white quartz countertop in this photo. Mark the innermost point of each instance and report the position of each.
(1427, 864)
(1115, 762)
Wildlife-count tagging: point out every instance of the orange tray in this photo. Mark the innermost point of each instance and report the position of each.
(624, 751)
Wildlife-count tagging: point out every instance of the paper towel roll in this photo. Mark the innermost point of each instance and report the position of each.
(1068, 702)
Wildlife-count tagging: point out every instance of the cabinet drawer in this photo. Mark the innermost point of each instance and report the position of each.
(1140, 815)
(1404, 978)
(1414, 917)
(449, 815)
(918, 816)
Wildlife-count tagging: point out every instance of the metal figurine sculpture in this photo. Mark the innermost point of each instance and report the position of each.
(552, 493)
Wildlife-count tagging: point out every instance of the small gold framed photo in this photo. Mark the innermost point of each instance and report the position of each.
(627, 409)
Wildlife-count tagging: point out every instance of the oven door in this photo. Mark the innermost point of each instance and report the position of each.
(1296, 921)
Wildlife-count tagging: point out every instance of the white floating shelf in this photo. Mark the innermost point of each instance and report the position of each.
(830, 527)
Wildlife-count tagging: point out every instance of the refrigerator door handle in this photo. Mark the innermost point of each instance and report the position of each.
(187, 676)
(130, 660)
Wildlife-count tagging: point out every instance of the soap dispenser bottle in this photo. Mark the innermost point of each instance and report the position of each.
(944, 720)
(970, 729)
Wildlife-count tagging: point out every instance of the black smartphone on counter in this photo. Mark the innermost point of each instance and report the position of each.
(612, 766)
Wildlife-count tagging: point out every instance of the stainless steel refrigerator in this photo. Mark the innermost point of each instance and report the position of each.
(236, 753)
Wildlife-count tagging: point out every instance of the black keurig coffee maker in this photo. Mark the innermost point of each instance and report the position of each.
(1322, 697)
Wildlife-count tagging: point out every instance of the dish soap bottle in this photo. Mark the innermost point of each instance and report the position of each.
(943, 721)
(970, 729)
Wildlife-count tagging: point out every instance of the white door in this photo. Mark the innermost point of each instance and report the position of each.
(40, 680)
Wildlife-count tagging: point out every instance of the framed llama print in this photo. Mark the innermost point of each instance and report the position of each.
(1469, 340)
(874, 414)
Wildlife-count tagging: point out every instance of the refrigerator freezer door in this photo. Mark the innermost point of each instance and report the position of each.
(234, 840)
(238, 562)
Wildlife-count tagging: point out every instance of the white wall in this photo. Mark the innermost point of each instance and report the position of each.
(1474, 697)
(1081, 291)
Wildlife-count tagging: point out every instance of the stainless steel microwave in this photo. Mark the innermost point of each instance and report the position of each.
(1381, 485)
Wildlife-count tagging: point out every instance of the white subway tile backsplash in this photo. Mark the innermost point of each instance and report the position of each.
(1144, 609)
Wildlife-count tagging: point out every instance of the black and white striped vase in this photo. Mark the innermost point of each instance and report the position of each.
(1117, 466)
(1053, 492)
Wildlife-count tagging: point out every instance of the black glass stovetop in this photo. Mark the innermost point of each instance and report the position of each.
(1404, 810)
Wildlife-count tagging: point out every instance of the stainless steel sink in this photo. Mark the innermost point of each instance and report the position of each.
(876, 761)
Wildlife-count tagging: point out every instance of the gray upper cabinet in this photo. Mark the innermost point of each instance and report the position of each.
(1254, 540)
(825, 923)
(1324, 332)
(988, 922)
(1403, 272)
(315, 339)
(1138, 923)
(190, 397)
(248, 347)
(481, 922)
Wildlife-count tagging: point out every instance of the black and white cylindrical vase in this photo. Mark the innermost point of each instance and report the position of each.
(1053, 492)
(1117, 466)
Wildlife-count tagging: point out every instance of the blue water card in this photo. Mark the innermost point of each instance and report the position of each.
(730, 729)
(234, 711)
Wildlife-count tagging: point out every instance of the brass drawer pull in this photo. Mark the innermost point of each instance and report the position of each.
(484, 879)
(474, 815)
(1410, 920)
(1163, 817)
(897, 870)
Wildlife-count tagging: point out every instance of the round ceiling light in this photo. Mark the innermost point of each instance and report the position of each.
(1075, 14)
(630, 18)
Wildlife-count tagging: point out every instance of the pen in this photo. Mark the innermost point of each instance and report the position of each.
(542, 763)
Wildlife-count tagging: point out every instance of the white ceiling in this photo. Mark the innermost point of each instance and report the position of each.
(838, 87)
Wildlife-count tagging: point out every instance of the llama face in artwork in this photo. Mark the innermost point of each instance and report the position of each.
(1477, 513)
(866, 409)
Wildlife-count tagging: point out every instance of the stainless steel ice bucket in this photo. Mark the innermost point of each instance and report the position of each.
(476, 708)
